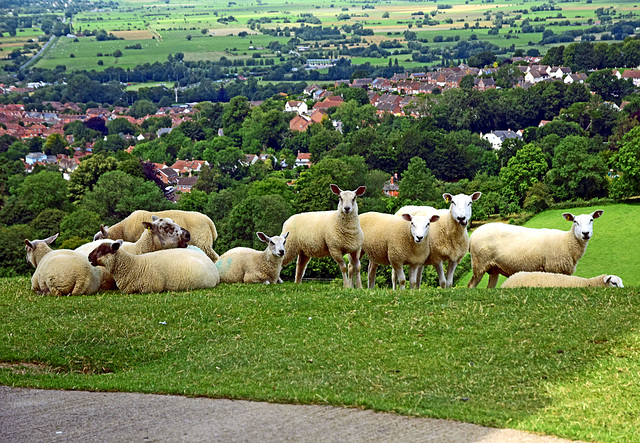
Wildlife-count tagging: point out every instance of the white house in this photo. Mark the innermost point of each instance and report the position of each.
(496, 138)
(296, 106)
(575, 78)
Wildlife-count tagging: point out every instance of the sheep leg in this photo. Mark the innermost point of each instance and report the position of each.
(413, 276)
(419, 272)
(301, 266)
(475, 280)
(354, 269)
(440, 270)
(337, 256)
(402, 279)
(493, 279)
(451, 269)
(371, 274)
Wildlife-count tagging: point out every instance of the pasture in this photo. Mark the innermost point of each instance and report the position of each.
(214, 25)
(559, 362)
(604, 254)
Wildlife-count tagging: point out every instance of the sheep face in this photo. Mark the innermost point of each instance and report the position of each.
(420, 225)
(168, 233)
(104, 253)
(348, 204)
(613, 281)
(461, 206)
(583, 224)
(276, 243)
(31, 246)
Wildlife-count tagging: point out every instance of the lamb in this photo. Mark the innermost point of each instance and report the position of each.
(166, 270)
(390, 240)
(61, 272)
(246, 265)
(203, 231)
(328, 233)
(448, 239)
(498, 248)
(551, 280)
(161, 233)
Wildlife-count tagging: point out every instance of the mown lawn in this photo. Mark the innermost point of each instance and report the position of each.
(560, 362)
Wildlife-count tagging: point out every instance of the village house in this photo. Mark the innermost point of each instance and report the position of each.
(496, 138)
(296, 106)
(633, 74)
(580, 77)
(303, 159)
(391, 187)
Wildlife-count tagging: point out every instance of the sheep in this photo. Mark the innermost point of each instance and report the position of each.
(61, 272)
(161, 233)
(246, 265)
(551, 280)
(448, 239)
(165, 270)
(498, 248)
(203, 231)
(390, 240)
(327, 233)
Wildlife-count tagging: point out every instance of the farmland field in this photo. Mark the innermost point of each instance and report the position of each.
(208, 30)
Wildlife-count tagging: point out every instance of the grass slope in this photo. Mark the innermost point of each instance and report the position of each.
(561, 362)
(614, 248)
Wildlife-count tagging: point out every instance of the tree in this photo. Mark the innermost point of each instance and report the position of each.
(142, 108)
(234, 114)
(323, 142)
(117, 194)
(55, 145)
(86, 175)
(608, 86)
(627, 164)
(193, 201)
(355, 116)
(45, 190)
(117, 53)
(525, 168)
(80, 223)
(417, 183)
(120, 126)
(467, 82)
(508, 75)
(47, 223)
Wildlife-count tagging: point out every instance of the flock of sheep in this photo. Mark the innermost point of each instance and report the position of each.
(150, 253)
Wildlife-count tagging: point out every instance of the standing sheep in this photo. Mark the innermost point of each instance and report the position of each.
(551, 280)
(448, 239)
(203, 231)
(61, 272)
(498, 248)
(246, 265)
(328, 233)
(166, 270)
(390, 240)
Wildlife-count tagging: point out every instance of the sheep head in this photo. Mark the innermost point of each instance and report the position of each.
(276, 243)
(420, 225)
(32, 246)
(461, 206)
(613, 281)
(168, 233)
(105, 253)
(347, 204)
(102, 234)
(583, 224)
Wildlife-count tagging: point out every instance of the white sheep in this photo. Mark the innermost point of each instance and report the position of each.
(61, 272)
(246, 265)
(161, 233)
(395, 241)
(328, 233)
(552, 280)
(203, 231)
(448, 239)
(499, 248)
(166, 270)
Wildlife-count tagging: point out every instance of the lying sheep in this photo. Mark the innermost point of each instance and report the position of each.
(61, 272)
(390, 240)
(203, 231)
(448, 239)
(328, 233)
(166, 270)
(551, 280)
(246, 265)
(161, 233)
(498, 248)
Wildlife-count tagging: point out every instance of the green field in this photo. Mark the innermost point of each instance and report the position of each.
(170, 23)
(560, 362)
(603, 255)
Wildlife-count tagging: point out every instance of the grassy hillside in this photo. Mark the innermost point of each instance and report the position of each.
(560, 362)
(614, 248)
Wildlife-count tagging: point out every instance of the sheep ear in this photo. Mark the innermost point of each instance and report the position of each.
(597, 213)
(607, 278)
(154, 218)
(104, 230)
(475, 196)
(335, 189)
(28, 244)
(434, 218)
(51, 239)
(116, 245)
(361, 190)
(262, 236)
(286, 234)
(447, 197)
(407, 217)
(147, 225)
(568, 216)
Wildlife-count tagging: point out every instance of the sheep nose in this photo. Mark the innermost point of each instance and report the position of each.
(281, 252)
(419, 238)
(186, 234)
(461, 219)
(347, 209)
(586, 235)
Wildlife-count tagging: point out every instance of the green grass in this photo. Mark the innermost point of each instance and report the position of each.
(561, 362)
(614, 248)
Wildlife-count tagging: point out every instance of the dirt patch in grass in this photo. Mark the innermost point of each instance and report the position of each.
(134, 35)
(380, 38)
(24, 368)
(227, 31)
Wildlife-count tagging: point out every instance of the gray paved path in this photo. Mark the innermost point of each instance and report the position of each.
(34, 415)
